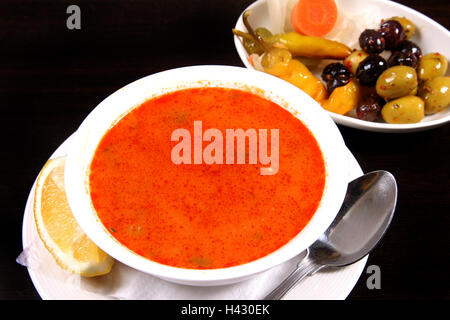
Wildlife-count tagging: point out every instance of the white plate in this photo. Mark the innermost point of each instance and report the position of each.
(51, 282)
(430, 36)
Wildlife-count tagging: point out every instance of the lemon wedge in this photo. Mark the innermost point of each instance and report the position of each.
(58, 229)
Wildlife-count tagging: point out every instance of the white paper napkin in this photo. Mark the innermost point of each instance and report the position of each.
(124, 282)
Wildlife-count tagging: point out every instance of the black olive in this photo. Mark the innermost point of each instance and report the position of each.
(392, 31)
(407, 46)
(371, 41)
(336, 75)
(370, 108)
(403, 59)
(369, 69)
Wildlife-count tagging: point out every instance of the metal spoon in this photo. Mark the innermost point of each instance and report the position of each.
(363, 219)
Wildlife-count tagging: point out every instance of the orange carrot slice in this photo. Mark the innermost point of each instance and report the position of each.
(314, 17)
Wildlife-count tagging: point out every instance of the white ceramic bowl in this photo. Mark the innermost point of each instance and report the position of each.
(430, 36)
(121, 102)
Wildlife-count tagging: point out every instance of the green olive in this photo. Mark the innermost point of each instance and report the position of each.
(432, 65)
(409, 109)
(407, 25)
(396, 82)
(436, 94)
(353, 60)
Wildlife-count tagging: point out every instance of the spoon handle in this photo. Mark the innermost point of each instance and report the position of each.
(305, 268)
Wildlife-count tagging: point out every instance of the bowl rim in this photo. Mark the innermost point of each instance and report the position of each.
(350, 121)
(110, 110)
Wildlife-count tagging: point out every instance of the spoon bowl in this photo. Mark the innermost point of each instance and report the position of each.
(362, 221)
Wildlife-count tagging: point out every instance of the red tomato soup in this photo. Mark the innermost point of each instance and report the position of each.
(204, 216)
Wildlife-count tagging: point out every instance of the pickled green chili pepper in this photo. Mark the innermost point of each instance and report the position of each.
(297, 44)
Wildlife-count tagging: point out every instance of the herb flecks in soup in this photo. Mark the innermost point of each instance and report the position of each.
(204, 216)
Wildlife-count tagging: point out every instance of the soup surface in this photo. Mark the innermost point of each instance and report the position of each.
(204, 216)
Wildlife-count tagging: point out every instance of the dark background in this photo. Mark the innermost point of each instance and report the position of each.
(52, 77)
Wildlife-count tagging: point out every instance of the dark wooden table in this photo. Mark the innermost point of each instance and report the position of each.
(52, 77)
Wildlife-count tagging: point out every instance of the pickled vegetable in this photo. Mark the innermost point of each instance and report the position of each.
(409, 109)
(369, 109)
(354, 59)
(408, 26)
(432, 65)
(397, 82)
(369, 69)
(410, 47)
(403, 59)
(335, 75)
(393, 33)
(301, 77)
(343, 99)
(436, 94)
(314, 18)
(276, 61)
(312, 47)
(371, 41)
(252, 46)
